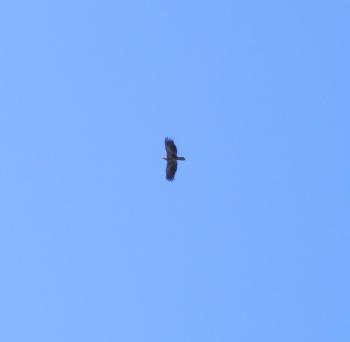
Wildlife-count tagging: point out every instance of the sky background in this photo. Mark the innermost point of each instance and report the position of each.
(249, 243)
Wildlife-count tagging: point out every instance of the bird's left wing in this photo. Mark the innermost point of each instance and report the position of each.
(170, 147)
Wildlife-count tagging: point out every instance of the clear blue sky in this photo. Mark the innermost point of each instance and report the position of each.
(249, 243)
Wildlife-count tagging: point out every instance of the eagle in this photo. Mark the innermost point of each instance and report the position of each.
(171, 158)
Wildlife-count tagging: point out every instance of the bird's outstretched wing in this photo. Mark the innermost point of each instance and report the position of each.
(171, 169)
(170, 148)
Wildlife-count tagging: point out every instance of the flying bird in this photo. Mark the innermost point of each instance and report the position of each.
(171, 158)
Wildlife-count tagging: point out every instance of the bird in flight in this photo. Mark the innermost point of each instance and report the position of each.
(171, 158)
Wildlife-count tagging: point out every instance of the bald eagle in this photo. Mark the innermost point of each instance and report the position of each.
(171, 158)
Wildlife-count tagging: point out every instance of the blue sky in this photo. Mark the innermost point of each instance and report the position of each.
(249, 243)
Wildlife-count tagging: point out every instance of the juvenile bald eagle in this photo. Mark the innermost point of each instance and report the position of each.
(171, 158)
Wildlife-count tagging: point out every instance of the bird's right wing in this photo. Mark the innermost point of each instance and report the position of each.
(171, 168)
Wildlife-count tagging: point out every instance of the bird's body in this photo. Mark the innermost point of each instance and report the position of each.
(171, 158)
(175, 158)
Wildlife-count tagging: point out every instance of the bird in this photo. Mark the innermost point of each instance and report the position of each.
(171, 158)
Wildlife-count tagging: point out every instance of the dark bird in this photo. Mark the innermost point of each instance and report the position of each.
(171, 158)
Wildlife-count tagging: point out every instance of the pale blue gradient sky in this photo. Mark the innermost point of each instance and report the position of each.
(251, 241)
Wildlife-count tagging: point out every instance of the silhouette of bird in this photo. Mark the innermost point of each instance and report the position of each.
(171, 158)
